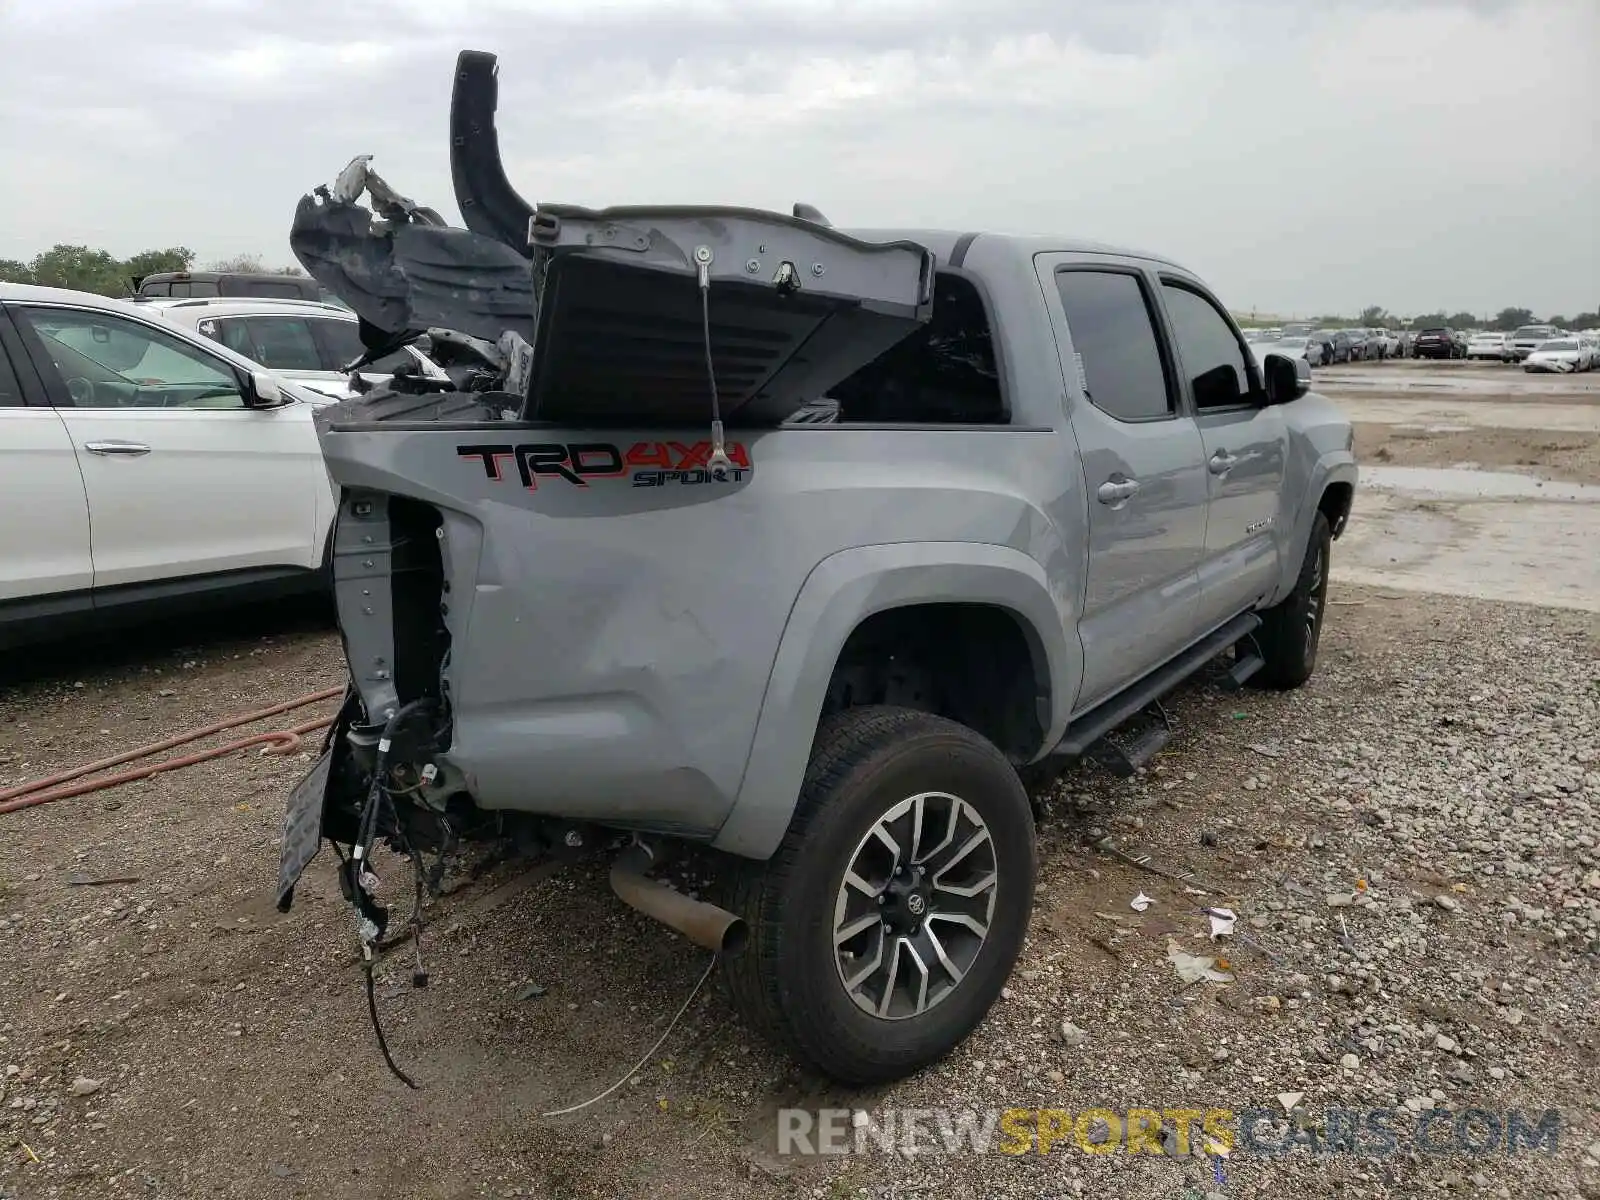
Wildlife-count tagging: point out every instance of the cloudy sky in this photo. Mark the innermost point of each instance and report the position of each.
(1418, 154)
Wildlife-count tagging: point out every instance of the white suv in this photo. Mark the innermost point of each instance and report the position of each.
(303, 340)
(142, 465)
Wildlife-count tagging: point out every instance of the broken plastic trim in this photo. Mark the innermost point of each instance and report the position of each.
(627, 313)
(403, 273)
(489, 204)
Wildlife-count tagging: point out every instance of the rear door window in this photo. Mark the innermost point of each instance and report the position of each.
(283, 343)
(232, 332)
(1114, 342)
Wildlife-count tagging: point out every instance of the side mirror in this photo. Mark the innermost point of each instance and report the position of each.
(1285, 378)
(262, 391)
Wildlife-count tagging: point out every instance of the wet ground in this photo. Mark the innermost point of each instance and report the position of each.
(1488, 487)
(1467, 380)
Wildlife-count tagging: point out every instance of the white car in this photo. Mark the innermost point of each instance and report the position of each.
(144, 467)
(1563, 354)
(1495, 346)
(303, 340)
(1293, 347)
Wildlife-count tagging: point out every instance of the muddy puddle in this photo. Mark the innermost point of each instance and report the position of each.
(1495, 535)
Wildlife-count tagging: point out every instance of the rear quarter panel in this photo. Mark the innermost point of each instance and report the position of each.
(614, 644)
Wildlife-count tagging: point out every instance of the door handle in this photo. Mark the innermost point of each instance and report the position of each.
(1117, 489)
(131, 449)
(1222, 462)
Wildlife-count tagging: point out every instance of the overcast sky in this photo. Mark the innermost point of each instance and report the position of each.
(1418, 154)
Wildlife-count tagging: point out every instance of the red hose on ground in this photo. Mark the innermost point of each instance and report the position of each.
(280, 741)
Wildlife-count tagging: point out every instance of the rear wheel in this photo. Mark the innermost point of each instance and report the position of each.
(1291, 629)
(884, 927)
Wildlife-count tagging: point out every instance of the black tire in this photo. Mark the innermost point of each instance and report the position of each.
(789, 981)
(1292, 628)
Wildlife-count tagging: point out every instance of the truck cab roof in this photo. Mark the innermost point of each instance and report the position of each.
(952, 247)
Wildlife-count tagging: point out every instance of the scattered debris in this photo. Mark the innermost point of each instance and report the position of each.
(84, 1086)
(1264, 750)
(1072, 1035)
(1106, 846)
(1140, 902)
(530, 991)
(81, 880)
(1290, 1100)
(1222, 921)
(1196, 968)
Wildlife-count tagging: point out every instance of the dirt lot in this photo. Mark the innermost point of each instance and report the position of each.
(1410, 843)
(1430, 414)
(1572, 457)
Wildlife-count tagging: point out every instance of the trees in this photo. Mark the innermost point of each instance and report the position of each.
(87, 269)
(1373, 314)
(1428, 320)
(81, 268)
(147, 262)
(1510, 318)
(249, 264)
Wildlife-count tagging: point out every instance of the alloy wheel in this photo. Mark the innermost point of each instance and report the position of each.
(1314, 599)
(915, 906)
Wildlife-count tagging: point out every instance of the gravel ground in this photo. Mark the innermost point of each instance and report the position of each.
(1444, 756)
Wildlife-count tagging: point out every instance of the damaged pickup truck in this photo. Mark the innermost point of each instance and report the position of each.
(731, 528)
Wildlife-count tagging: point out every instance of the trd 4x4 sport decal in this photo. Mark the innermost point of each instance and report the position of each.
(652, 464)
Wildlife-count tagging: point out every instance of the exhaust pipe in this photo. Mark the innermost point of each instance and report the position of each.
(703, 924)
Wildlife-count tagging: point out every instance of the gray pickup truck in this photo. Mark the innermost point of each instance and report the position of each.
(798, 545)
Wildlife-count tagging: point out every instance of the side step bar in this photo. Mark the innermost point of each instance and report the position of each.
(1122, 761)
(1243, 671)
(1106, 716)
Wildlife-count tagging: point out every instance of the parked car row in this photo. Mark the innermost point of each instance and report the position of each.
(1546, 347)
(1323, 346)
(1538, 348)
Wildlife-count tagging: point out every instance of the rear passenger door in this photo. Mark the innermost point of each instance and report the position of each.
(44, 513)
(1142, 463)
(1246, 446)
